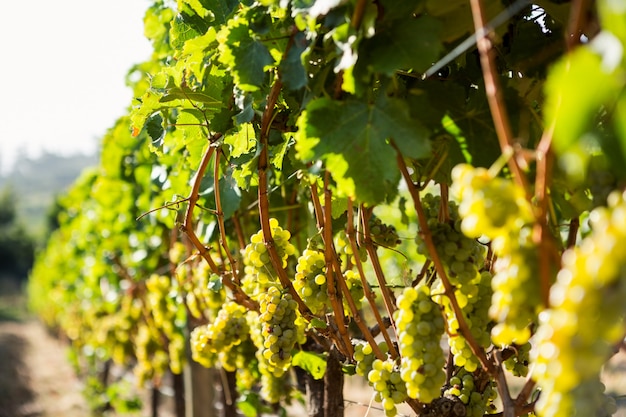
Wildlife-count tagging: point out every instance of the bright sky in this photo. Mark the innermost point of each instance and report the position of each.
(62, 72)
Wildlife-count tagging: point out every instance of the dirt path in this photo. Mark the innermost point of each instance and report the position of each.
(36, 379)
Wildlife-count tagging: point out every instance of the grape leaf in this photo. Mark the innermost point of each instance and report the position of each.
(313, 363)
(412, 43)
(181, 30)
(352, 137)
(292, 71)
(573, 109)
(244, 56)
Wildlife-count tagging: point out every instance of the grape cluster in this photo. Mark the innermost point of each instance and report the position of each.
(202, 298)
(280, 331)
(257, 258)
(497, 208)
(488, 205)
(585, 320)
(475, 312)
(344, 250)
(364, 356)
(167, 314)
(152, 358)
(217, 339)
(478, 401)
(462, 256)
(310, 280)
(275, 382)
(517, 364)
(386, 381)
(355, 287)
(420, 327)
(383, 234)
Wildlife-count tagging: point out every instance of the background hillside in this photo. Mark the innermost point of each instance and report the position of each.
(36, 181)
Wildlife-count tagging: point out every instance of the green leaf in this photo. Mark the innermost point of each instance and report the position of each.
(181, 30)
(412, 43)
(221, 10)
(215, 283)
(154, 128)
(244, 56)
(313, 363)
(352, 138)
(190, 123)
(573, 109)
(241, 141)
(292, 72)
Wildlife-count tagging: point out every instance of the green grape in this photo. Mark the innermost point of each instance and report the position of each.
(517, 364)
(382, 234)
(275, 388)
(257, 257)
(386, 381)
(355, 287)
(475, 312)
(218, 339)
(275, 381)
(497, 208)
(489, 205)
(420, 327)
(477, 401)
(344, 250)
(462, 256)
(577, 334)
(152, 359)
(310, 281)
(202, 298)
(280, 330)
(516, 295)
(364, 356)
(200, 347)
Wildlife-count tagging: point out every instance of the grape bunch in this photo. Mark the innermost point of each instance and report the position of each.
(577, 334)
(355, 287)
(497, 208)
(310, 280)
(152, 358)
(462, 256)
(364, 356)
(216, 340)
(344, 250)
(517, 364)
(280, 331)
(478, 401)
(383, 234)
(257, 257)
(489, 205)
(386, 381)
(275, 382)
(202, 297)
(168, 316)
(420, 327)
(475, 312)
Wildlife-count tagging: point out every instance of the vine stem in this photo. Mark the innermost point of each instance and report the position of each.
(369, 295)
(495, 99)
(543, 238)
(329, 255)
(487, 365)
(319, 222)
(238, 294)
(263, 201)
(388, 298)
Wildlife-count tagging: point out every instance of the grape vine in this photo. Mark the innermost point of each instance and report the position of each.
(296, 193)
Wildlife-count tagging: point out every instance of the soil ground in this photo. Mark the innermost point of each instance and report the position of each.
(36, 379)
